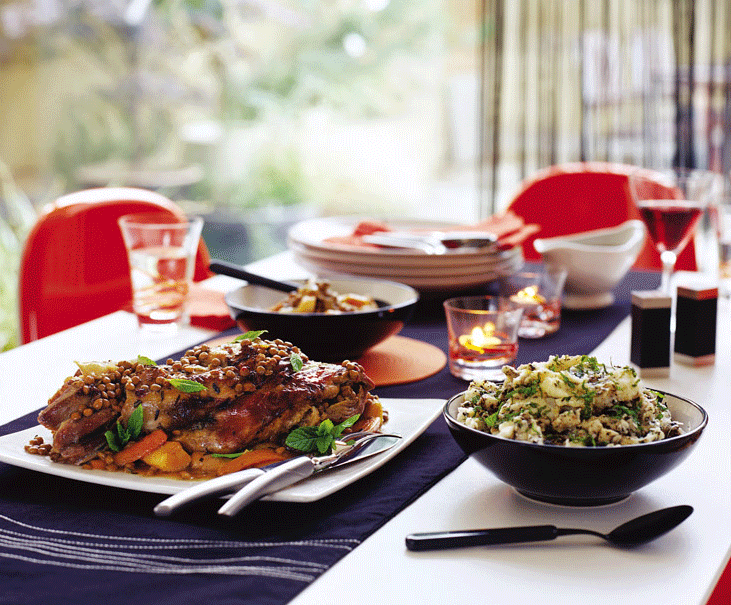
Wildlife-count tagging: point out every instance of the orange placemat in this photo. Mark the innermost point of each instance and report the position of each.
(397, 360)
(400, 360)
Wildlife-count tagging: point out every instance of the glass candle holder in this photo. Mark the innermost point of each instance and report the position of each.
(483, 336)
(539, 294)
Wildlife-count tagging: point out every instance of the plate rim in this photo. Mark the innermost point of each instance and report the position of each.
(310, 228)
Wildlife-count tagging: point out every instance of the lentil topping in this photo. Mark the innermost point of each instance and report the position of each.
(202, 411)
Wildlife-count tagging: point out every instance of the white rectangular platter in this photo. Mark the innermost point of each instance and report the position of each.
(407, 417)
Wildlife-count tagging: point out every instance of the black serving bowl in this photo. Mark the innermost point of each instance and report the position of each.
(580, 476)
(324, 337)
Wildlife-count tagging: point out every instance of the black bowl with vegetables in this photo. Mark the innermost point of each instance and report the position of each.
(579, 476)
(331, 337)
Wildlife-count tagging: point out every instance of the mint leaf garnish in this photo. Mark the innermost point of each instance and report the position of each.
(235, 455)
(187, 386)
(345, 424)
(134, 424)
(146, 361)
(296, 362)
(324, 444)
(112, 441)
(117, 440)
(251, 335)
(320, 438)
(303, 439)
(326, 427)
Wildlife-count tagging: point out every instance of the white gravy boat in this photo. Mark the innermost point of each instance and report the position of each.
(596, 261)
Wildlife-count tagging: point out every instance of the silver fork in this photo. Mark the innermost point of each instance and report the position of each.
(350, 444)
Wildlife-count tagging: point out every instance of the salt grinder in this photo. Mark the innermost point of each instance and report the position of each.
(650, 345)
(695, 325)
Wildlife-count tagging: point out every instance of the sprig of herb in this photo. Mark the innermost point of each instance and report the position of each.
(251, 335)
(187, 386)
(234, 455)
(491, 420)
(318, 438)
(296, 362)
(121, 435)
(146, 361)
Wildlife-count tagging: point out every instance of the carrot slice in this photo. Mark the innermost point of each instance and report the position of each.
(138, 449)
(251, 458)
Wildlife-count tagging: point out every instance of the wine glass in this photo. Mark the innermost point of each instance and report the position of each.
(671, 204)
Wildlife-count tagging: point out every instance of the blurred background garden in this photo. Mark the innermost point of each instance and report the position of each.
(258, 113)
(252, 113)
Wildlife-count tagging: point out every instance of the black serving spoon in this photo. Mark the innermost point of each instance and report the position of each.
(224, 268)
(636, 531)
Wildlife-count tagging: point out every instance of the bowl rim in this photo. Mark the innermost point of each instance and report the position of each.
(574, 243)
(452, 421)
(413, 299)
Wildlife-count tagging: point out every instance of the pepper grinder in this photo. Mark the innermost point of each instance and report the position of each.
(695, 325)
(650, 343)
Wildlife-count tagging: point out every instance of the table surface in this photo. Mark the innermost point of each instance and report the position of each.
(681, 567)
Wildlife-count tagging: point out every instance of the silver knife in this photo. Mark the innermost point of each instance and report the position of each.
(233, 481)
(296, 469)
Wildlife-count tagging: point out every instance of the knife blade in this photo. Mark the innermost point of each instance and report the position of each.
(297, 469)
(233, 481)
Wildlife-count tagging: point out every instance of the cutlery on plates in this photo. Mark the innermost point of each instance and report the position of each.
(355, 446)
(296, 469)
(636, 531)
(223, 268)
(435, 242)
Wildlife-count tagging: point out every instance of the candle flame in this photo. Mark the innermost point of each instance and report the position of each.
(529, 294)
(480, 337)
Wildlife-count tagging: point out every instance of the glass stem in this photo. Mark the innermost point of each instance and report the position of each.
(668, 259)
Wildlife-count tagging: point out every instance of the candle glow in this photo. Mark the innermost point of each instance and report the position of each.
(529, 294)
(480, 338)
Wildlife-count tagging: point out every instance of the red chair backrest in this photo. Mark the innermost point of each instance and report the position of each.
(576, 197)
(74, 266)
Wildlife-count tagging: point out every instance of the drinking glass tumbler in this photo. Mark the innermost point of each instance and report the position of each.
(483, 336)
(161, 252)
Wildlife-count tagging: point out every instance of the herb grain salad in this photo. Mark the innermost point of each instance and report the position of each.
(571, 401)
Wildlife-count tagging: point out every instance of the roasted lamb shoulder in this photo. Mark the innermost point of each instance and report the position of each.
(252, 391)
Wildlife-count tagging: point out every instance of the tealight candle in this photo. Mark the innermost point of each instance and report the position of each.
(539, 295)
(480, 337)
(483, 336)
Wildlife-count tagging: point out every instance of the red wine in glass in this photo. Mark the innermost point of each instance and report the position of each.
(670, 224)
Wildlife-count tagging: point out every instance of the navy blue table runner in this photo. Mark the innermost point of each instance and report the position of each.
(63, 541)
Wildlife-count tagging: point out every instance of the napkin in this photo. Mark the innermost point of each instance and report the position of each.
(207, 309)
(509, 228)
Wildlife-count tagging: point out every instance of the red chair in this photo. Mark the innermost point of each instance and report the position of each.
(576, 197)
(74, 266)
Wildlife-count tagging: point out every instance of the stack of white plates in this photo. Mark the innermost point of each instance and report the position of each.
(452, 271)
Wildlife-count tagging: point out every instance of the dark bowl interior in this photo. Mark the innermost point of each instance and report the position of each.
(579, 476)
(322, 337)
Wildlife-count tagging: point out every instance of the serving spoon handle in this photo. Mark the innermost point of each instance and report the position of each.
(223, 268)
(480, 537)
